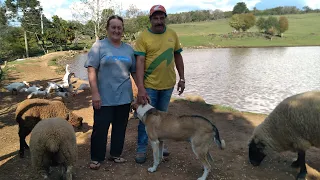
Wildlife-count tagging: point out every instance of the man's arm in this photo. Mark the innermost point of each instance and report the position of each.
(143, 97)
(179, 64)
(180, 68)
(140, 71)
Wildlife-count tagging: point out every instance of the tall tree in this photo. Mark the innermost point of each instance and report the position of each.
(91, 10)
(3, 17)
(30, 19)
(132, 11)
(261, 24)
(106, 13)
(307, 9)
(283, 25)
(240, 8)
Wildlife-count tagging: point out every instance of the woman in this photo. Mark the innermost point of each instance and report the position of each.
(110, 63)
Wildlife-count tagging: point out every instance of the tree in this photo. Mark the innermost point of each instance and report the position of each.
(283, 25)
(217, 14)
(133, 11)
(271, 25)
(30, 10)
(90, 10)
(249, 20)
(307, 9)
(106, 13)
(242, 21)
(3, 18)
(254, 10)
(261, 23)
(11, 43)
(236, 22)
(240, 8)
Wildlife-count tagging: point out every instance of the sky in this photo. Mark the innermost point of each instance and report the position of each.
(63, 8)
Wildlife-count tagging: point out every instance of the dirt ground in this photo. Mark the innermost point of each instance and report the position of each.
(232, 163)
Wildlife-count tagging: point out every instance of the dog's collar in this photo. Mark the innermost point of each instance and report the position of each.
(142, 109)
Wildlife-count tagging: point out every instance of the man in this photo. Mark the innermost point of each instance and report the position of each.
(156, 48)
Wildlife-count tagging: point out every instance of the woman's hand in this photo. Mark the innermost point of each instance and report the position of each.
(96, 100)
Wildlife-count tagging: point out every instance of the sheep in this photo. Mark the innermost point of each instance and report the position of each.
(30, 111)
(294, 125)
(53, 143)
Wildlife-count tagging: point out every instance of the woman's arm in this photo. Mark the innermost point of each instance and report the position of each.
(92, 75)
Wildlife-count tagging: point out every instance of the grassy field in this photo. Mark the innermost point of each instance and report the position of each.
(304, 29)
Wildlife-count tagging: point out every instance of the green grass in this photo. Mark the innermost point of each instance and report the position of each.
(304, 29)
(214, 107)
(53, 61)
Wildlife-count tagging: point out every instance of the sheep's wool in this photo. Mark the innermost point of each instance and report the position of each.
(142, 109)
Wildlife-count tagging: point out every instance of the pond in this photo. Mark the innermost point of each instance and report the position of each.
(247, 79)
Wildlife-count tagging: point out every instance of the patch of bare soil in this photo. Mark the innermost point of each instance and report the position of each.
(232, 163)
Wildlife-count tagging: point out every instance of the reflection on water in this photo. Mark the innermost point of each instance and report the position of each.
(248, 79)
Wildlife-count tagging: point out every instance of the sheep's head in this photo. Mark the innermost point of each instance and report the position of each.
(256, 152)
(74, 120)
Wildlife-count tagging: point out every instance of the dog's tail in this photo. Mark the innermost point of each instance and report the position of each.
(220, 142)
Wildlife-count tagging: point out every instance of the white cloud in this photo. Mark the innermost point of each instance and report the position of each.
(174, 4)
(63, 8)
(56, 7)
(313, 4)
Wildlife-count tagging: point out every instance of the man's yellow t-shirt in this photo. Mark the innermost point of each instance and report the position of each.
(158, 50)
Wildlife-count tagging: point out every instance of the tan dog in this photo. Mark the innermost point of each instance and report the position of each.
(193, 128)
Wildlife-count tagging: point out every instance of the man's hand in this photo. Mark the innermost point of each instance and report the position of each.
(96, 100)
(181, 86)
(143, 97)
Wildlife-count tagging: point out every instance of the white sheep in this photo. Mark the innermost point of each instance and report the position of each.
(53, 143)
(294, 125)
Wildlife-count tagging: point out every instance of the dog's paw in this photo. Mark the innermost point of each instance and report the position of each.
(152, 169)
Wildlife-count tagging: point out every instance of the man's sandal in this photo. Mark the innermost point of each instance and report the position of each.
(117, 159)
(95, 165)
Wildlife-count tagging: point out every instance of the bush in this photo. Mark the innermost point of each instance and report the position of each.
(236, 22)
(283, 25)
(242, 21)
(249, 21)
(261, 24)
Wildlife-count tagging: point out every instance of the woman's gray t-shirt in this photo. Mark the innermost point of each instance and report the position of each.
(114, 65)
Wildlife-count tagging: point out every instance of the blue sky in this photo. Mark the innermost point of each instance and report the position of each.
(63, 8)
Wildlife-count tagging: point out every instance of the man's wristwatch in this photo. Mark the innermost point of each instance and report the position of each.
(182, 80)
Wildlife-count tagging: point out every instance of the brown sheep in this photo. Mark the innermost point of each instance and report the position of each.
(30, 111)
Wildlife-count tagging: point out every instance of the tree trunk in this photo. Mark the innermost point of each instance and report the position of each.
(26, 43)
(98, 15)
(96, 32)
(281, 34)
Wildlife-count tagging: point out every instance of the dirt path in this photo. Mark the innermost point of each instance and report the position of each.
(231, 163)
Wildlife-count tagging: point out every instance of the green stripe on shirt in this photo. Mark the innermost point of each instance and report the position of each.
(178, 51)
(139, 53)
